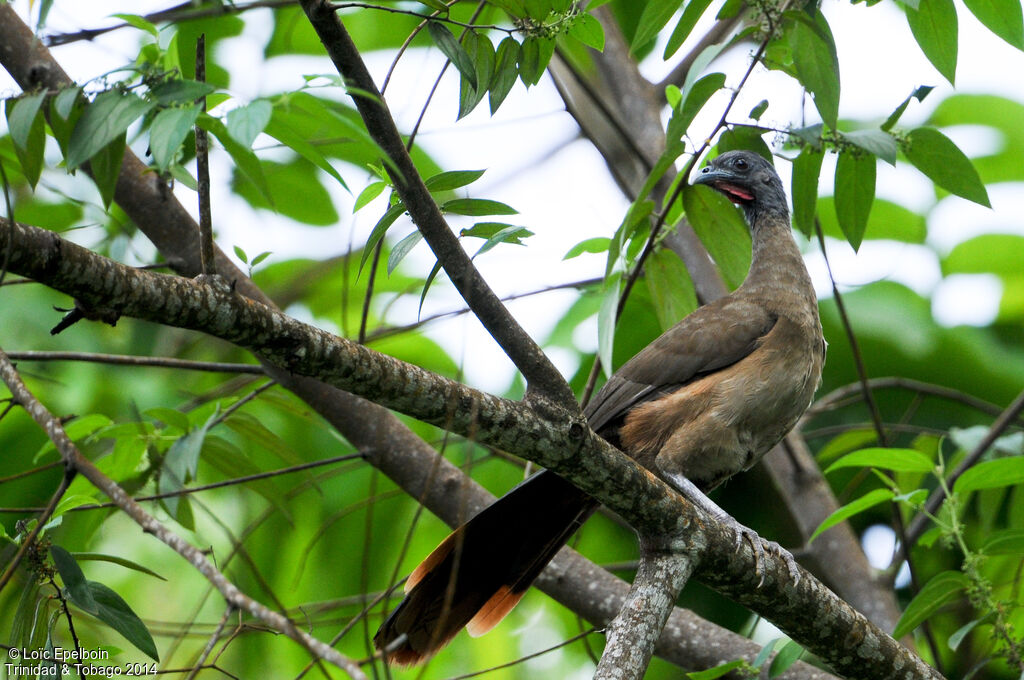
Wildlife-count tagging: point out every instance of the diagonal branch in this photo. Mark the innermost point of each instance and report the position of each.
(541, 375)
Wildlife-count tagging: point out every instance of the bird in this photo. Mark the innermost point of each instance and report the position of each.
(705, 400)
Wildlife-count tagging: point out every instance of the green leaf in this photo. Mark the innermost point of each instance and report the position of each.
(939, 591)
(106, 166)
(1006, 542)
(787, 656)
(534, 55)
(765, 652)
(934, 25)
(877, 142)
(958, 636)
(286, 181)
(938, 157)
(114, 559)
(816, 63)
(103, 121)
(372, 191)
(284, 133)
(598, 244)
(744, 137)
(899, 460)
(451, 48)
(28, 132)
(74, 580)
(1005, 18)
(919, 94)
(244, 158)
(758, 110)
(246, 122)
(691, 13)
(488, 230)
(606, 320)
(672, 289)
(181, 92)
(510, 234)
(402, 249)
(991, 474)
(426, 286)
(854, 193)
(654, 17)
(480, 50)
(886, 221)
(453, 179)
(475, 207)
(1000, 254)
(868, 500)
(693, 100)
(587, 30)
(116, 613)
(506, 61)
(721, 229)
(139, 23)
(806, 170)
(717, 671)
(379, 230)
(167, 133)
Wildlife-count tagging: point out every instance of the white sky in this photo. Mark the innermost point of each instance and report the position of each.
(561, 187)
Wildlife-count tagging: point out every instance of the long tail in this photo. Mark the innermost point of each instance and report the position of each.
(481, 571)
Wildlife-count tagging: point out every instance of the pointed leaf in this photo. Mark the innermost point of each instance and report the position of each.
(938, 157)
(167, 133)
(1005, 18)
(28, 132)
(586, 29)
(854, 193)
(806, 170)
(693, 101)
(480, 50)
(865, 502)
(817, 66)
(919, 94)
(510, 234)
(372, 191)
(693, 11)
(246, 122)
(379, 230)
(488, 230)
(598, 244)
(506, 69)
(116, 613)
(103, 121)
(721, 229)
(244, 158)
(654, 17)
(606, 319)
(452, 49)
(106, 166)
(74, 580)
(934, 25)
(114, 559)
(453, 179)
(991, 474)
(475, 207)
(402, 249)
(942, 589)
(672, 289)
(877, 142)
(1006, 542)
(899, 460)
(181, 92)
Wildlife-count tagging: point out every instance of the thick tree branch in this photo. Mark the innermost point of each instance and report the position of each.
(73, 459)
(541, 375)
(807, 611)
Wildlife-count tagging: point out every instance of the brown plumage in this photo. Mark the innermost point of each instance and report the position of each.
(702, 402)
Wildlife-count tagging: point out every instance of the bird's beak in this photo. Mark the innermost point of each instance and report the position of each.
(725, 182)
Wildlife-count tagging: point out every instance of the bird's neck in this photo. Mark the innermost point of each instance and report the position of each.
(777, 271)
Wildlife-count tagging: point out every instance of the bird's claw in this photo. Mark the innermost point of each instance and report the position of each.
(761, 547)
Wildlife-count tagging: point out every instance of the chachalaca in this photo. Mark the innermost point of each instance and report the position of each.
(702, 402)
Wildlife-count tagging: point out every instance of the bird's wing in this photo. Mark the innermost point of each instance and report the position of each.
(714, 336)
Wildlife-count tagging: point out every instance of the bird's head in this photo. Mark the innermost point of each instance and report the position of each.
(746, 179)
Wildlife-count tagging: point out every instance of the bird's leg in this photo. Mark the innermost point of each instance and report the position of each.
(759, 545)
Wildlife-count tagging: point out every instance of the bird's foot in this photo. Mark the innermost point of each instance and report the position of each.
(762, 547)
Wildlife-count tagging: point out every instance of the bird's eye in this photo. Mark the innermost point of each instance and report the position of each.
(740, 164)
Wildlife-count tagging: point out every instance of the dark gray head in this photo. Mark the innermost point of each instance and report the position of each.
(748, 180)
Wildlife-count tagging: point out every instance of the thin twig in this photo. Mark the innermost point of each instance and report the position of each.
(203, 171)
(128, 360)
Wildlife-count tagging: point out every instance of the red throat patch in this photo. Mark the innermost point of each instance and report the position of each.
(736, 194)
